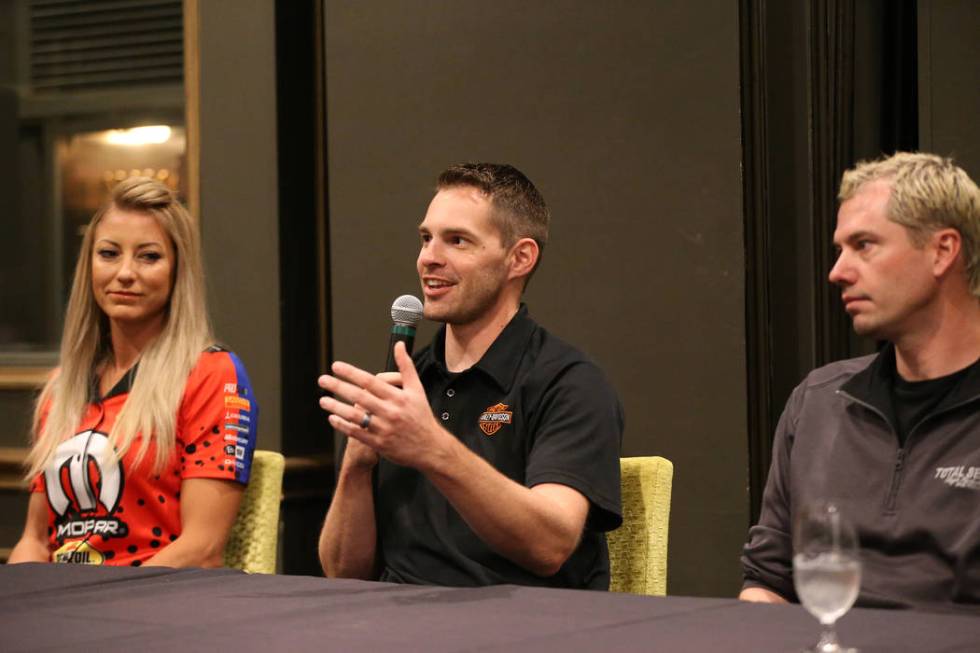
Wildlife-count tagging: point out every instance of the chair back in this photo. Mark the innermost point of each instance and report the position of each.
(252, 543)
(638, 548)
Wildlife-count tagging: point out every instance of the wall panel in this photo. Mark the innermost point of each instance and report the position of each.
(626, 116)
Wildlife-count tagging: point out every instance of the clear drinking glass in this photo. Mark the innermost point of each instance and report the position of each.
(826, 569)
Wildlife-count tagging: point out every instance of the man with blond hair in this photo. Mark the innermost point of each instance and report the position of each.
(894, 438)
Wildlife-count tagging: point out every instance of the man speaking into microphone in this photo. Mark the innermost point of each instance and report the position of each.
(493, 457)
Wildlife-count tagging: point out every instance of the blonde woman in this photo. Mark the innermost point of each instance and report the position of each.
(143, 437)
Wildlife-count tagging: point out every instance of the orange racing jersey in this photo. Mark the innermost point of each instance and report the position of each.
(105, 510)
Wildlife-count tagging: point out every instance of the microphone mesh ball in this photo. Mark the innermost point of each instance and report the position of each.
(406, 310)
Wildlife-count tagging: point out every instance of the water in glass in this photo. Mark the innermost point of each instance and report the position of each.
(827, 584)
(826, 568)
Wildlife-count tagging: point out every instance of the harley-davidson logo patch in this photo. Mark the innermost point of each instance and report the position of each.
(494, 417)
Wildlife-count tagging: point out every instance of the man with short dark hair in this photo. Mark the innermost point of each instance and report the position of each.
(893, 439)
(494, 456)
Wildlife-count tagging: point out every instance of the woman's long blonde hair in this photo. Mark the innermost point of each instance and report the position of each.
(164, 365)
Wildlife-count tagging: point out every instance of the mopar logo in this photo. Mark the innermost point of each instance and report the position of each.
(79, 454)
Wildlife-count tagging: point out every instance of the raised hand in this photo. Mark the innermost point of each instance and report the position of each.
(393, 421)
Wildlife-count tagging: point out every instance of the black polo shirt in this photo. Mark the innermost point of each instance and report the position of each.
(539, 411)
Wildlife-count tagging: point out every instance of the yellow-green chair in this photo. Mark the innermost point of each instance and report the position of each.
(252, 543)
(638, 548)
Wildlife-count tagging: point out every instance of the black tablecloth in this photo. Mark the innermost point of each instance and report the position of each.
(79, 608)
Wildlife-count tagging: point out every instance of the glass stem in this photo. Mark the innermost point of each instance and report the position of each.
(828, 638)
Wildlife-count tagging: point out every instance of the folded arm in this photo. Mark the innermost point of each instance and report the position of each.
(760, 595)
(767, 557)
(537, 528)
(33, 543)
(208, 508)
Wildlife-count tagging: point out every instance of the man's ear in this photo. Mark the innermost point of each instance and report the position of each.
(946, 244)
(524, 255)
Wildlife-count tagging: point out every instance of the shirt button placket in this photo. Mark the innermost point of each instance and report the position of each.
(445, 415)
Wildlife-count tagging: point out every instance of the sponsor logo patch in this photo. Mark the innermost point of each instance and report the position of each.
(494, 418)
(961, 476)
(232, 388)
(107, 527)
(84, 492)
(84, 485)
(81, 553)
(238, 402)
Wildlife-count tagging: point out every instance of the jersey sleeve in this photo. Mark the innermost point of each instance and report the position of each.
(577, 442)
(218, 420)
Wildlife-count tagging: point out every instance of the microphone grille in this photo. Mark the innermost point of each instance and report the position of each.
(406, 309)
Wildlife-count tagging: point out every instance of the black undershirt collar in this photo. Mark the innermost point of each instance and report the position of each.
(912, 401)
(876, 386)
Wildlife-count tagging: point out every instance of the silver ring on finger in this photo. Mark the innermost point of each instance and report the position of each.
(366, 421)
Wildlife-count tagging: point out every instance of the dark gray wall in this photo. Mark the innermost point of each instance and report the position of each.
(238, 182)
(626, 116)
(949, 80)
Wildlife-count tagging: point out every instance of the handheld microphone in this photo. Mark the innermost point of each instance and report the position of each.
(406, 311)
